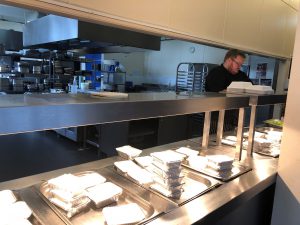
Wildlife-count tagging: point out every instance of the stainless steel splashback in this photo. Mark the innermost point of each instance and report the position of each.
(61, 33)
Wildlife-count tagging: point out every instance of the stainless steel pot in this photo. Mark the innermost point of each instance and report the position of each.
(21, 67)
(17, 84)
(36, 69)
(4, 69)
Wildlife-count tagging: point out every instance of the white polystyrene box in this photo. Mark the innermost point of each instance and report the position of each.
(259, 89)
(238, 86)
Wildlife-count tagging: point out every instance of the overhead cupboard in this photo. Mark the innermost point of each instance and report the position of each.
(265, 27)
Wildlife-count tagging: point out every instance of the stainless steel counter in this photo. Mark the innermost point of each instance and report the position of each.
(221, 200)
(25, 113)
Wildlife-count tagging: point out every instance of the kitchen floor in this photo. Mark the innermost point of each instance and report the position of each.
(32, 153)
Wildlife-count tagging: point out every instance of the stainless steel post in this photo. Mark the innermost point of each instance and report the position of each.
(206, 128)
(251, 130)
(240, 131)
(220, 127)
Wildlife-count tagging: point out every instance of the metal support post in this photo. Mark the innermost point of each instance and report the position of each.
(251, 130)
(220, 127)
(240, 131)
(206, 129)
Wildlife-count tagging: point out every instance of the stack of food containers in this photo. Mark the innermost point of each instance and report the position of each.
(13, 211)
(220, 165)
(73, 193)
(134, 172)
(166, 168)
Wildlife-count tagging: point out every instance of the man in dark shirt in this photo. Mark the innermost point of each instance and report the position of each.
(220, 77)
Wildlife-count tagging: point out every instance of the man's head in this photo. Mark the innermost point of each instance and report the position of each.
(233, 60)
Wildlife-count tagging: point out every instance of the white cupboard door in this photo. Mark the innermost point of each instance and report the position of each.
(201, 19)
(290, 31)
(242, 23)
(272, 29)
(155, 12)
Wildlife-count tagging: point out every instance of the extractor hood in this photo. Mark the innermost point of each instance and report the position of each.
(11, 40)
(61, 33)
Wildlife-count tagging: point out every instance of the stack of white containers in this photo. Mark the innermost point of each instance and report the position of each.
(166, 168)
(219, 165)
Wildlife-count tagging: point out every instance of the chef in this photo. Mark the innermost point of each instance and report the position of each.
(220, 77)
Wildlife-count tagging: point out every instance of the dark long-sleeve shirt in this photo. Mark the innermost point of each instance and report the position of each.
(219, 79)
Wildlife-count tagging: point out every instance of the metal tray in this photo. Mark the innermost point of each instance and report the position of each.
(274, 155)
(194, 186)
(92, 215)
(237, 170)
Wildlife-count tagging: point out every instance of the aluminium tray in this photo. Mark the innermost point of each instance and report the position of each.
(271, 154)
(237, 170)
(92, 215)
(194, 186)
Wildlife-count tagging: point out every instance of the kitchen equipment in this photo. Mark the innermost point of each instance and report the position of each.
(4, 84)
(4, 69)
(17, 84)
(32, 87)
(190, 77)
(36, 69)
(40, 87)
(46, 84)
(21, 67)
(46, 69)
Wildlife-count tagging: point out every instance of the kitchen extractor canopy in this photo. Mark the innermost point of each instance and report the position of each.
(61, 33)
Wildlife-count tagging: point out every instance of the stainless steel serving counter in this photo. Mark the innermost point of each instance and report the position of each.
(260, 101)
(205, 209)
(25, 113)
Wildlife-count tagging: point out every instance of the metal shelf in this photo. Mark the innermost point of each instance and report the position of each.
(26, 113)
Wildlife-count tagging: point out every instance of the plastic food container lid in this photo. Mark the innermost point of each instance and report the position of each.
(126, 166)
(187, 151)
(128, 152)
(124, 214)
(102, 192)
(7, 197)
(168, 157)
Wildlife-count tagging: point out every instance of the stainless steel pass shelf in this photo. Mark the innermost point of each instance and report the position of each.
(267, 99)
(25, 113)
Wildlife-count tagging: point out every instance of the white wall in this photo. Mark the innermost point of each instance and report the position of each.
(160, 66)
(287, 196)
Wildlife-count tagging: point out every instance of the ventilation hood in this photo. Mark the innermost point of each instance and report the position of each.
(61, 33)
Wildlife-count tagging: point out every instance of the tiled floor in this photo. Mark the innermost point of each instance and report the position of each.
(31, 153)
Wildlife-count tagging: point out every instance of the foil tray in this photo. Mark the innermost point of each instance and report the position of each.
(194, 186)
(91, 214)
(237, 170)
(271, 154)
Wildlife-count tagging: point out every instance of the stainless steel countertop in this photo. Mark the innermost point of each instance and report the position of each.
(228, 196)
(26, 113)
(267, 99)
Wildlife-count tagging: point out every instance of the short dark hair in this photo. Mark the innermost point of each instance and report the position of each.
(233, 53)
